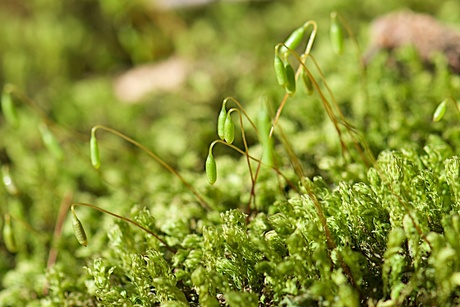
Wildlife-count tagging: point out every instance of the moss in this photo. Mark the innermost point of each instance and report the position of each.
(325, 223)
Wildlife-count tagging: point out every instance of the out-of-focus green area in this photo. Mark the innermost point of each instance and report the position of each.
(64, 59)
(66, 56)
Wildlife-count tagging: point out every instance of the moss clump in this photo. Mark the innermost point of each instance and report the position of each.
(320, 222)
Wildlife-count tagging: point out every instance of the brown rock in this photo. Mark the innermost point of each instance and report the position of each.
(136, 83)
(421, 31)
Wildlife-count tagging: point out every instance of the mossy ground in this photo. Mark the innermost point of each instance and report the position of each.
(395, 225)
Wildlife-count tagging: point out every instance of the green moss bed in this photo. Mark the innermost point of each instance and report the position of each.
(356, 202)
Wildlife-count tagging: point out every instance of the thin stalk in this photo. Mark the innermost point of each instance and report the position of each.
(278, 113)
(312, 37)
(297, 165)
(352, 132)
(242, 110)
(252, 196)
(22, 97)
(341, 117)
(256, 160)
(311, 40)
(53, 253)
(128, 221)
(156, 158)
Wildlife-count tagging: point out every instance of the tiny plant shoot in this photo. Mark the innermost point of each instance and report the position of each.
(226, 132)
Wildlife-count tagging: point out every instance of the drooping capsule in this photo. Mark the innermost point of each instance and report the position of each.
(94, 151)
(291, 83)
(280, 71)
(211, 168)
(221, 122)
(78, 229)
(293, 40)
(229, 129)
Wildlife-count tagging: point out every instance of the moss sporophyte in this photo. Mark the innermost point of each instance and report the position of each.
(304, 217)
(80, 233)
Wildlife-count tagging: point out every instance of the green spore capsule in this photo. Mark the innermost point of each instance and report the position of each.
(8, 235)
(211, 168)
(336, 34)
(229, 129)
(280, 71)
(78, 229)
(290, 85)
(221, 122)
(293, 41)
(440, 111)
(94, 151)
(8, 109)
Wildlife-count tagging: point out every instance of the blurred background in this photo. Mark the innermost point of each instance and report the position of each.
(158, 71)
(71, 58)
(88, 62)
